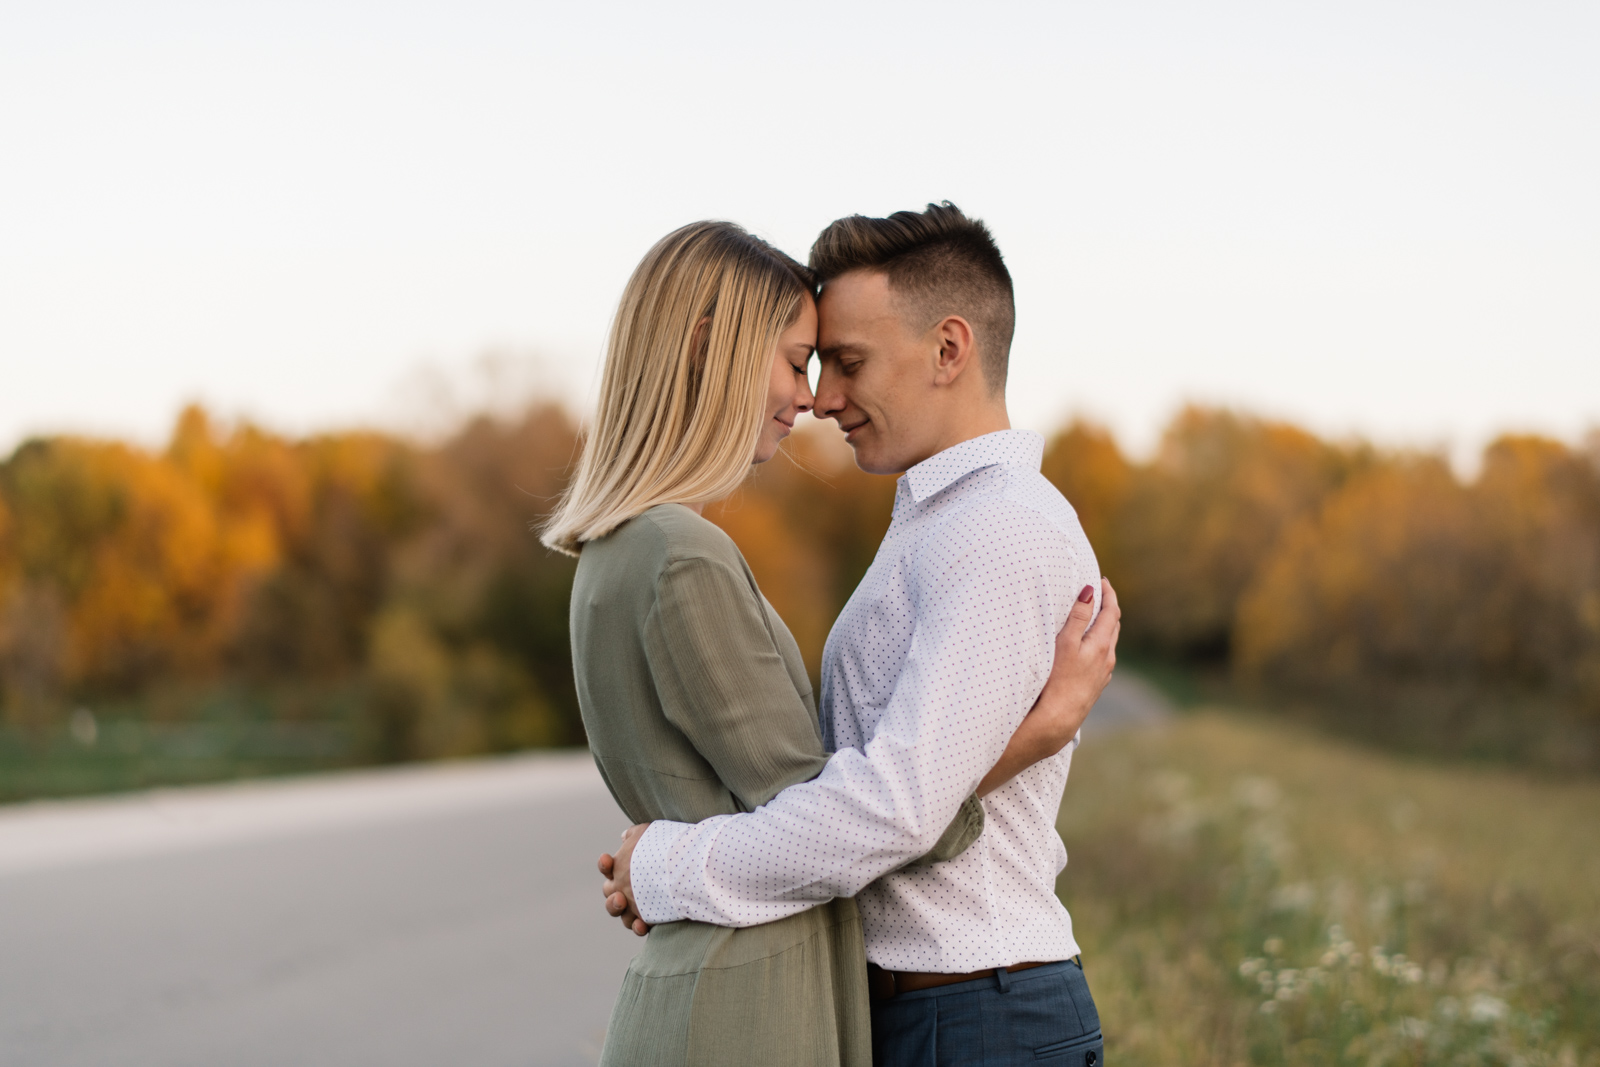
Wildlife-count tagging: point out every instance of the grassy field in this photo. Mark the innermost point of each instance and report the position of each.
(1248, 892)
(207, 735)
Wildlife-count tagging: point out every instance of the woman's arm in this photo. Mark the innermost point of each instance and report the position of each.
(1085, 656)
(722, 681)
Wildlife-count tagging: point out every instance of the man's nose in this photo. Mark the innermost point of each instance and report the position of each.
(829, 399)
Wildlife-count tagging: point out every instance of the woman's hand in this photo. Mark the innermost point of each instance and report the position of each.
(618, 886)
(1085, 656)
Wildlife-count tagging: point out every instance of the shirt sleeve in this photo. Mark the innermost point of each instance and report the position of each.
(988, 600)
(723, 683)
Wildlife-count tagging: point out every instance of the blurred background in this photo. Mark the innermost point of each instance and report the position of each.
(301, 312)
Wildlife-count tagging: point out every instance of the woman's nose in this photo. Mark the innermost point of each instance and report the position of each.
(805, 399)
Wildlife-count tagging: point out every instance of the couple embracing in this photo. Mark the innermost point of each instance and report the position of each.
(874, 884)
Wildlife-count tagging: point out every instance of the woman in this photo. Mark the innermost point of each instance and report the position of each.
(693, 692)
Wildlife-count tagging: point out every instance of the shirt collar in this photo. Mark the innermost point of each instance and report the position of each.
(1012, 448)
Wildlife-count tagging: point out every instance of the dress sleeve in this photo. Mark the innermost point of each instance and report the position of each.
(722, 681)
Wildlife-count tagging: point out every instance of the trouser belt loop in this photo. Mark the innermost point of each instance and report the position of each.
(1002, 977)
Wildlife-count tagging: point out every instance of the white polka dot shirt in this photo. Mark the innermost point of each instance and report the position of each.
(929, 669)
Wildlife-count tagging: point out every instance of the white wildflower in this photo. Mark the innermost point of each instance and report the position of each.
(1340, 948)
(1487, 1009)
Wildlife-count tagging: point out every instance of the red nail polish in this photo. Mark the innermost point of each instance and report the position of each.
(1087, 594)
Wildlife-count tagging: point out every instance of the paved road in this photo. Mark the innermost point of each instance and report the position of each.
(429, 916)
(1128, 702)
(424, 916)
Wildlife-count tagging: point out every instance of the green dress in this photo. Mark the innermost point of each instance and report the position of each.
(696, 703)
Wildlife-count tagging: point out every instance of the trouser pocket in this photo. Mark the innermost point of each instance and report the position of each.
(1079, 1052)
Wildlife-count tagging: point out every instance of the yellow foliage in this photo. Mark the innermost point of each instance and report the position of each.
(1182, 536)
(1085, 463)
(1309, 566)
(1375, 583)
(1407, 574)
(786, 566)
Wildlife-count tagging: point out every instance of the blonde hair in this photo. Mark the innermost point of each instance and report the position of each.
(685, 379)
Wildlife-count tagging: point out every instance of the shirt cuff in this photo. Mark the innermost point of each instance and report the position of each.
(650, 870)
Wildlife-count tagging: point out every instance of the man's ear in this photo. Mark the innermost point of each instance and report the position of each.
(958, 350)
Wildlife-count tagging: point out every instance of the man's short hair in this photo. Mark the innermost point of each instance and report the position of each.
(939, 262)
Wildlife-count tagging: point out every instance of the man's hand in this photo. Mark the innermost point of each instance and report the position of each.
(618, 887)
(1085, 656)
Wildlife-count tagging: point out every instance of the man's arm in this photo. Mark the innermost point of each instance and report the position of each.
(1084, 659)
(988, 614)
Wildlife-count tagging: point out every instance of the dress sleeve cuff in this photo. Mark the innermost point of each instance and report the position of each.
(650, 870)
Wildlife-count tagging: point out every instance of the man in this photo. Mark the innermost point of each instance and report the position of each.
(929, 670)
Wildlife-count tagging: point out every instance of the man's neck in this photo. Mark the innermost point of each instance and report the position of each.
(991, 418)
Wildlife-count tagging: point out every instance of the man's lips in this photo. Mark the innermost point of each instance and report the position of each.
(848, 430)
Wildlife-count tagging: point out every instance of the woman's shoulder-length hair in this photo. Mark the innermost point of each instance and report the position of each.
(685, 379)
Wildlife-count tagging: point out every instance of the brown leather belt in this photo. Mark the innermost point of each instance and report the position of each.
(886, 985)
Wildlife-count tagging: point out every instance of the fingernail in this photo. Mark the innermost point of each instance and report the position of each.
(1087, 594)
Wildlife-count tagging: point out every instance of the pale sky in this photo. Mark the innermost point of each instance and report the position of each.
(1374, 218)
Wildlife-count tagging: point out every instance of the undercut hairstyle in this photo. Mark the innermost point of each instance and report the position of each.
(938, 262)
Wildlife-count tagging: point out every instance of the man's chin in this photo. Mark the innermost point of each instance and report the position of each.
(871, 462)
(861, 443)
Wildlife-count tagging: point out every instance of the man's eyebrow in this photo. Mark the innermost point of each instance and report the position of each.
(843, 348)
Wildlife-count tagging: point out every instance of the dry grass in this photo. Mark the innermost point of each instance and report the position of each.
(1247, 892)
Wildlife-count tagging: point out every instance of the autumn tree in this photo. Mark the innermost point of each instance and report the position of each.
(1197, 521)
(1444, 614)
(406, 579)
